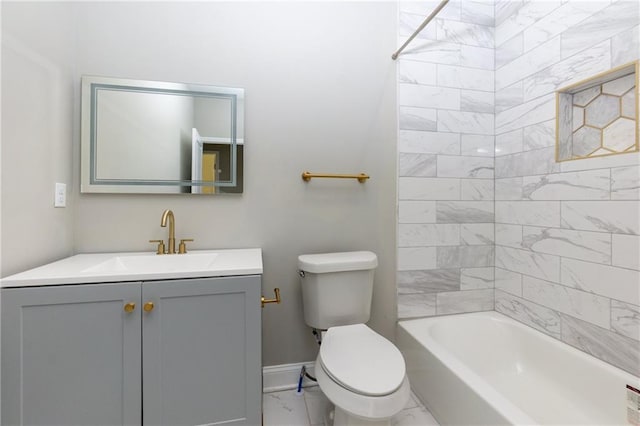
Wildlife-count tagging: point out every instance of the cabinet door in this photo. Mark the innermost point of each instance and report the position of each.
(202, 352)
(71, 355)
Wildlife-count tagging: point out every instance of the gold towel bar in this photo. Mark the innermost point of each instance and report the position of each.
(306, 176)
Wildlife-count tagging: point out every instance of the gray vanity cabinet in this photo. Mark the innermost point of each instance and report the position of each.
(71, 355)
(202, 360)
(189, 353)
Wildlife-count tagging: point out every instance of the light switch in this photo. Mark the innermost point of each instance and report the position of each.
(60, 199)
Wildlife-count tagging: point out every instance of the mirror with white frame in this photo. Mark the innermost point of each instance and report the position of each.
(159, 137)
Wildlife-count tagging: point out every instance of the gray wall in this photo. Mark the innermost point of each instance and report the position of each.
(320, 96)
(38, 47)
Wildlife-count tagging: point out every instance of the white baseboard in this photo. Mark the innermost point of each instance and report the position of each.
(285, 376)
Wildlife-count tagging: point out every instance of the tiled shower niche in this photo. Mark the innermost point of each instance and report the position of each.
(598, 116)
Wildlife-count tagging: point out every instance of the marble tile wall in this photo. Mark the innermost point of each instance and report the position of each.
(567, 235)
(446, 86)
(487, 219)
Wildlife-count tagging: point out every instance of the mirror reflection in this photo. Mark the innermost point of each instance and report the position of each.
(158, 137)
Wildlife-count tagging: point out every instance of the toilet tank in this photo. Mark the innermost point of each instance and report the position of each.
(337, 287)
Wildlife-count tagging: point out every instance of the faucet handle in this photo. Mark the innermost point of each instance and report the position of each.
(182, 248)
(160, 249)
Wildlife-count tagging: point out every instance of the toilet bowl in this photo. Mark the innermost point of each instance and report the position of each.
(360, 372)
(363, 375)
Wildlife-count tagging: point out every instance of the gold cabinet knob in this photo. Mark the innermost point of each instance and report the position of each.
(148, 307)
(129, 307)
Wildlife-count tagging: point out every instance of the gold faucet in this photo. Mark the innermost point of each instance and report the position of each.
(171, 244)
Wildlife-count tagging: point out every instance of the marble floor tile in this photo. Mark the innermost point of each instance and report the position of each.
(413, 402)
(418, 416)
(286, 408)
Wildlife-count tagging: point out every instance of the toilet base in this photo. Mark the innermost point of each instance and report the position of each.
(342, 418)
(334, 416)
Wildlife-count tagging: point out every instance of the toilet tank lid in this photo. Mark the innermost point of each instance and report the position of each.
(337, 262)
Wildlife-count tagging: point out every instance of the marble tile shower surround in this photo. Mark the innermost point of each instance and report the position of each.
(446, 84)
(486, 217)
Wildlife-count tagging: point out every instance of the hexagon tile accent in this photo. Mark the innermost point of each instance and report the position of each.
(599, 116)
(602, 111)
(619, 135)
(585, 96)
(629, 105)
(586, 140)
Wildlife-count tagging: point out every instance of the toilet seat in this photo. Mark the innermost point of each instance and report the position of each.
(370, 408)
(362, 361)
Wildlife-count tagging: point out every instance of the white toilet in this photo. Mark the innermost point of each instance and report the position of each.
(360, 372)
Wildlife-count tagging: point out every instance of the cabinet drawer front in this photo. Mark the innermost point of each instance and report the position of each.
(202, 351)
(71, 355)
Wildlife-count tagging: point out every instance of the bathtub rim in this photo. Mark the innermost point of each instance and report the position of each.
(465, 374)
(474, 381)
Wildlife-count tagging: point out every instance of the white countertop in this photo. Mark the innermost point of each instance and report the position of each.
(108, 267)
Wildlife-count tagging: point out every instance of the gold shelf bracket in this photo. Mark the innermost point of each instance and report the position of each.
(362, 177)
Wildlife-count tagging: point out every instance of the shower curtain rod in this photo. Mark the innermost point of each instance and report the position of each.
(424, 24)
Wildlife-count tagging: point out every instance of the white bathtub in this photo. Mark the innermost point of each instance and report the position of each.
(485, 368)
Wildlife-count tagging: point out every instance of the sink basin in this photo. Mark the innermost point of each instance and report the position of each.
(136, 266)
(153, 263)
